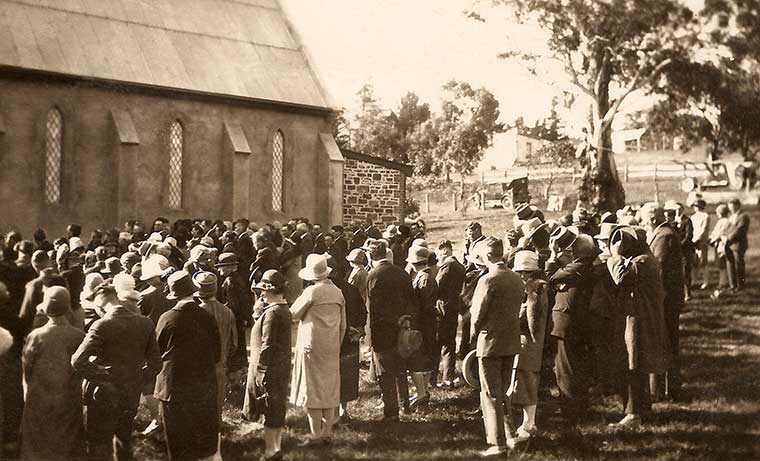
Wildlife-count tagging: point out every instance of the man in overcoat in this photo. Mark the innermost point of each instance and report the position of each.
(736, 244)
(118, 355)
(573, 287)
(638, 343)
(665, 245)
(389, 290)
(450, 280)
(496, 332)
(186, 386)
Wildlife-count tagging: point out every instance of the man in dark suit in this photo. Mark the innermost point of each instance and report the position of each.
(266, 257)
(319, 239)
(358, 237)
(190, 346)
(371, 231)
(666, 247)
(389, 290)
(496, 331)
(338, 249)
(736, 244)
(450, 280)
(118, 355)
(573, 284)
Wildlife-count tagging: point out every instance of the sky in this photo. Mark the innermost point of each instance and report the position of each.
(418, 45)
(414, 45)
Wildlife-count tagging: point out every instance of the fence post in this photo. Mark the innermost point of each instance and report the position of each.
(427, 202)
(684, 169)
(626, 172)
(453, 201)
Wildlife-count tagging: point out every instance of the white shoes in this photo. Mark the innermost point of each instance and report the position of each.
(523, 435)
(492, 451)
(628, 421)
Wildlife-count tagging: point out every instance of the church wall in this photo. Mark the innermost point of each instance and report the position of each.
(95, 159)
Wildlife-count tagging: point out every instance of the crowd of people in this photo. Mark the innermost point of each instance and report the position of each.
(588, 302)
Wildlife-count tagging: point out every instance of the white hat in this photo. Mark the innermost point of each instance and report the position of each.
(390, 231)
(418, 254)
(356, 253)
(419, 243)
(163, 249)
(155, 266)
(91, 281)
(171, 241)
(156, 237)
(125, 287)
(316, 268)
(526, 261)
(75, 243)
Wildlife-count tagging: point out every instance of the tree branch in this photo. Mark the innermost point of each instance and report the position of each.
(570, 69)
(637, 82)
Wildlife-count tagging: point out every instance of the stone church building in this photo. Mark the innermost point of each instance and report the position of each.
(113, 110)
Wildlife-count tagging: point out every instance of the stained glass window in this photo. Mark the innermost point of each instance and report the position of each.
(53, 155)
(278, 150)
(176, 153)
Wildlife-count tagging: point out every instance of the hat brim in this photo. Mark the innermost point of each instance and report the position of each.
(226, 264)
(542, 226)
(309, 275)
(415, 260)
(470, 371)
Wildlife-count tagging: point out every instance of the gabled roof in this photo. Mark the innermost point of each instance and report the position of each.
(241, 48)
(392, 164)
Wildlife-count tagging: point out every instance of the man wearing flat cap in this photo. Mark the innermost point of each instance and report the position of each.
(496, 332)
(118, 355)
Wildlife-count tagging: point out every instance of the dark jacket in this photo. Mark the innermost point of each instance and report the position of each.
(190, 348)
(666, 248)
(737, 231)
(450, 280)
(153, 303)
(356, 311)
(236, 295)
(573, 285)
(126, 342)
(266, 259)
(639, 295)
(389, 291)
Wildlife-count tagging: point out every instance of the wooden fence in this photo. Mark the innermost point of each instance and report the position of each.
(627, 173)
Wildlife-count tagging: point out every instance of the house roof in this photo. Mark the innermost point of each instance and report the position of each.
(629, 135)
(241, 48)
(402, 167)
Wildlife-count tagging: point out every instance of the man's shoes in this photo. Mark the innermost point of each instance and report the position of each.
(492, 451)
(313, 442)
(152, 427)
(627, 421)
(523, 435)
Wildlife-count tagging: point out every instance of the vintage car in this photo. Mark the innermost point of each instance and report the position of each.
(502, 193)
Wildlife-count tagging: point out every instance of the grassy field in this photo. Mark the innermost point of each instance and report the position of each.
(720, 418)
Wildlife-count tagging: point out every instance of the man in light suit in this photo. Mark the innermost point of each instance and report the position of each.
(496, 331)
(736, 244)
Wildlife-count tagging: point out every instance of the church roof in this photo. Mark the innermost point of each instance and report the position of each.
(240, 48)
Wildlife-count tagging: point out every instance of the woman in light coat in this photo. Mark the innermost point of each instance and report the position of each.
(320, 311)
(534, 314)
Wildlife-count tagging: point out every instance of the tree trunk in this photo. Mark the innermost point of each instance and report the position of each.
(601, 188)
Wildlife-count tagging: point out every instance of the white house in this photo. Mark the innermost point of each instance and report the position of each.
(509, 148)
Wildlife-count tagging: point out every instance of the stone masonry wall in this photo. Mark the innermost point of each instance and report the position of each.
(373, 191)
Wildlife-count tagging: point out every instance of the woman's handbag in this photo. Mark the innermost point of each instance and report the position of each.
(409, 341)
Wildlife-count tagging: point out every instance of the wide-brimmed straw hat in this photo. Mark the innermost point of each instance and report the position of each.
(418, 254)
(316, 268)
(526, 261)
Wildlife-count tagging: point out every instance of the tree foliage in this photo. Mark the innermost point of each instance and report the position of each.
(607, 49)
(460, 134)
(715, 98)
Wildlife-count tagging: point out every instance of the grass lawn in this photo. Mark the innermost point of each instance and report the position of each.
(720, 418)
